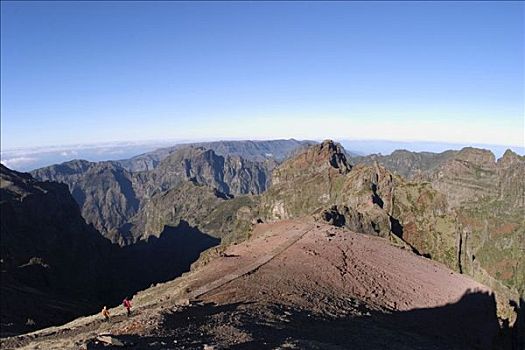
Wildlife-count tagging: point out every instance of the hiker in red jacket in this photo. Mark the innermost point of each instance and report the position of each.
(127, 304)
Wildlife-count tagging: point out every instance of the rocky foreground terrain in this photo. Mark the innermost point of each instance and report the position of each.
(297, 284)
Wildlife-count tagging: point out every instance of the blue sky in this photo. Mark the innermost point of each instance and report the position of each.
(87, 72)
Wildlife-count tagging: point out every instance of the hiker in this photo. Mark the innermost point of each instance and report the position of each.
(127, 304)
(105, 313)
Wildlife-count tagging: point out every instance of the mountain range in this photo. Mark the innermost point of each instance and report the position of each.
(464, 209)
(110, 194)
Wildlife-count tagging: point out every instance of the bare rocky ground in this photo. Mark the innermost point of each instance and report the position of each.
(297, 285)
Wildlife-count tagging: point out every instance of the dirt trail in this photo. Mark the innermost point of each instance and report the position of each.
(249, 268)
(297, 283)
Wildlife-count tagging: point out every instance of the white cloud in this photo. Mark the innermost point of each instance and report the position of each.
(17, 162)
(69, 153)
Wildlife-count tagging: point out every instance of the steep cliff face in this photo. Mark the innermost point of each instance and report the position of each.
(492, 218)
(114, 199)
(510, 169)
(186, 201)
(467, 177)
(487, 199)
(53, 264)
(200, 206)
(273, 151)
(305, 183)
(231, 175)
(105, 192)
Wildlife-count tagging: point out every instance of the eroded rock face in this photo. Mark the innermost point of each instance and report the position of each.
(106, 193)
(186, 201)
(321, 178)
(511, 170)
(487, 200)
(272, 151)
(112, 198)
(468, 214)
(327, 156)
(467, 177)
(231, 175)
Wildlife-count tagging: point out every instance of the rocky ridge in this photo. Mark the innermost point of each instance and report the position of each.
(114, 200)
(255, 151)
(487, 198)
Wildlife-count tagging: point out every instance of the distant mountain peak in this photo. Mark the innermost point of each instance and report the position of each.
(317, 158)
(510, 157)
(482, 157)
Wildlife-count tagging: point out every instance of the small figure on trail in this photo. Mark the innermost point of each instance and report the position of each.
(127, 304)
(105, 313)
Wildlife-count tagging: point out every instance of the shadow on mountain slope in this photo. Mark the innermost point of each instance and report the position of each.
(518, 329)
(470, 323)
(161, 259)
(124, 271)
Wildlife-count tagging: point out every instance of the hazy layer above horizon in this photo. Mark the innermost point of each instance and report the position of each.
(33, 158)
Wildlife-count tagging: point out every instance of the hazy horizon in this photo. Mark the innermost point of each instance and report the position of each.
(27, 159)
(89, 72)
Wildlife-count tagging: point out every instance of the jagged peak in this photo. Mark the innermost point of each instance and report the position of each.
(335, 154)
(510, 157)
(331, 145)
(327, 154)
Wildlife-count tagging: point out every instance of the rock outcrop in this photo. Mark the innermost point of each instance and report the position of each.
(468, 214)
(487, 199)
(410, 165)
(366, 199)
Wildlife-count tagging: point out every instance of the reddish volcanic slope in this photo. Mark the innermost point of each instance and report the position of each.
(298, 285)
